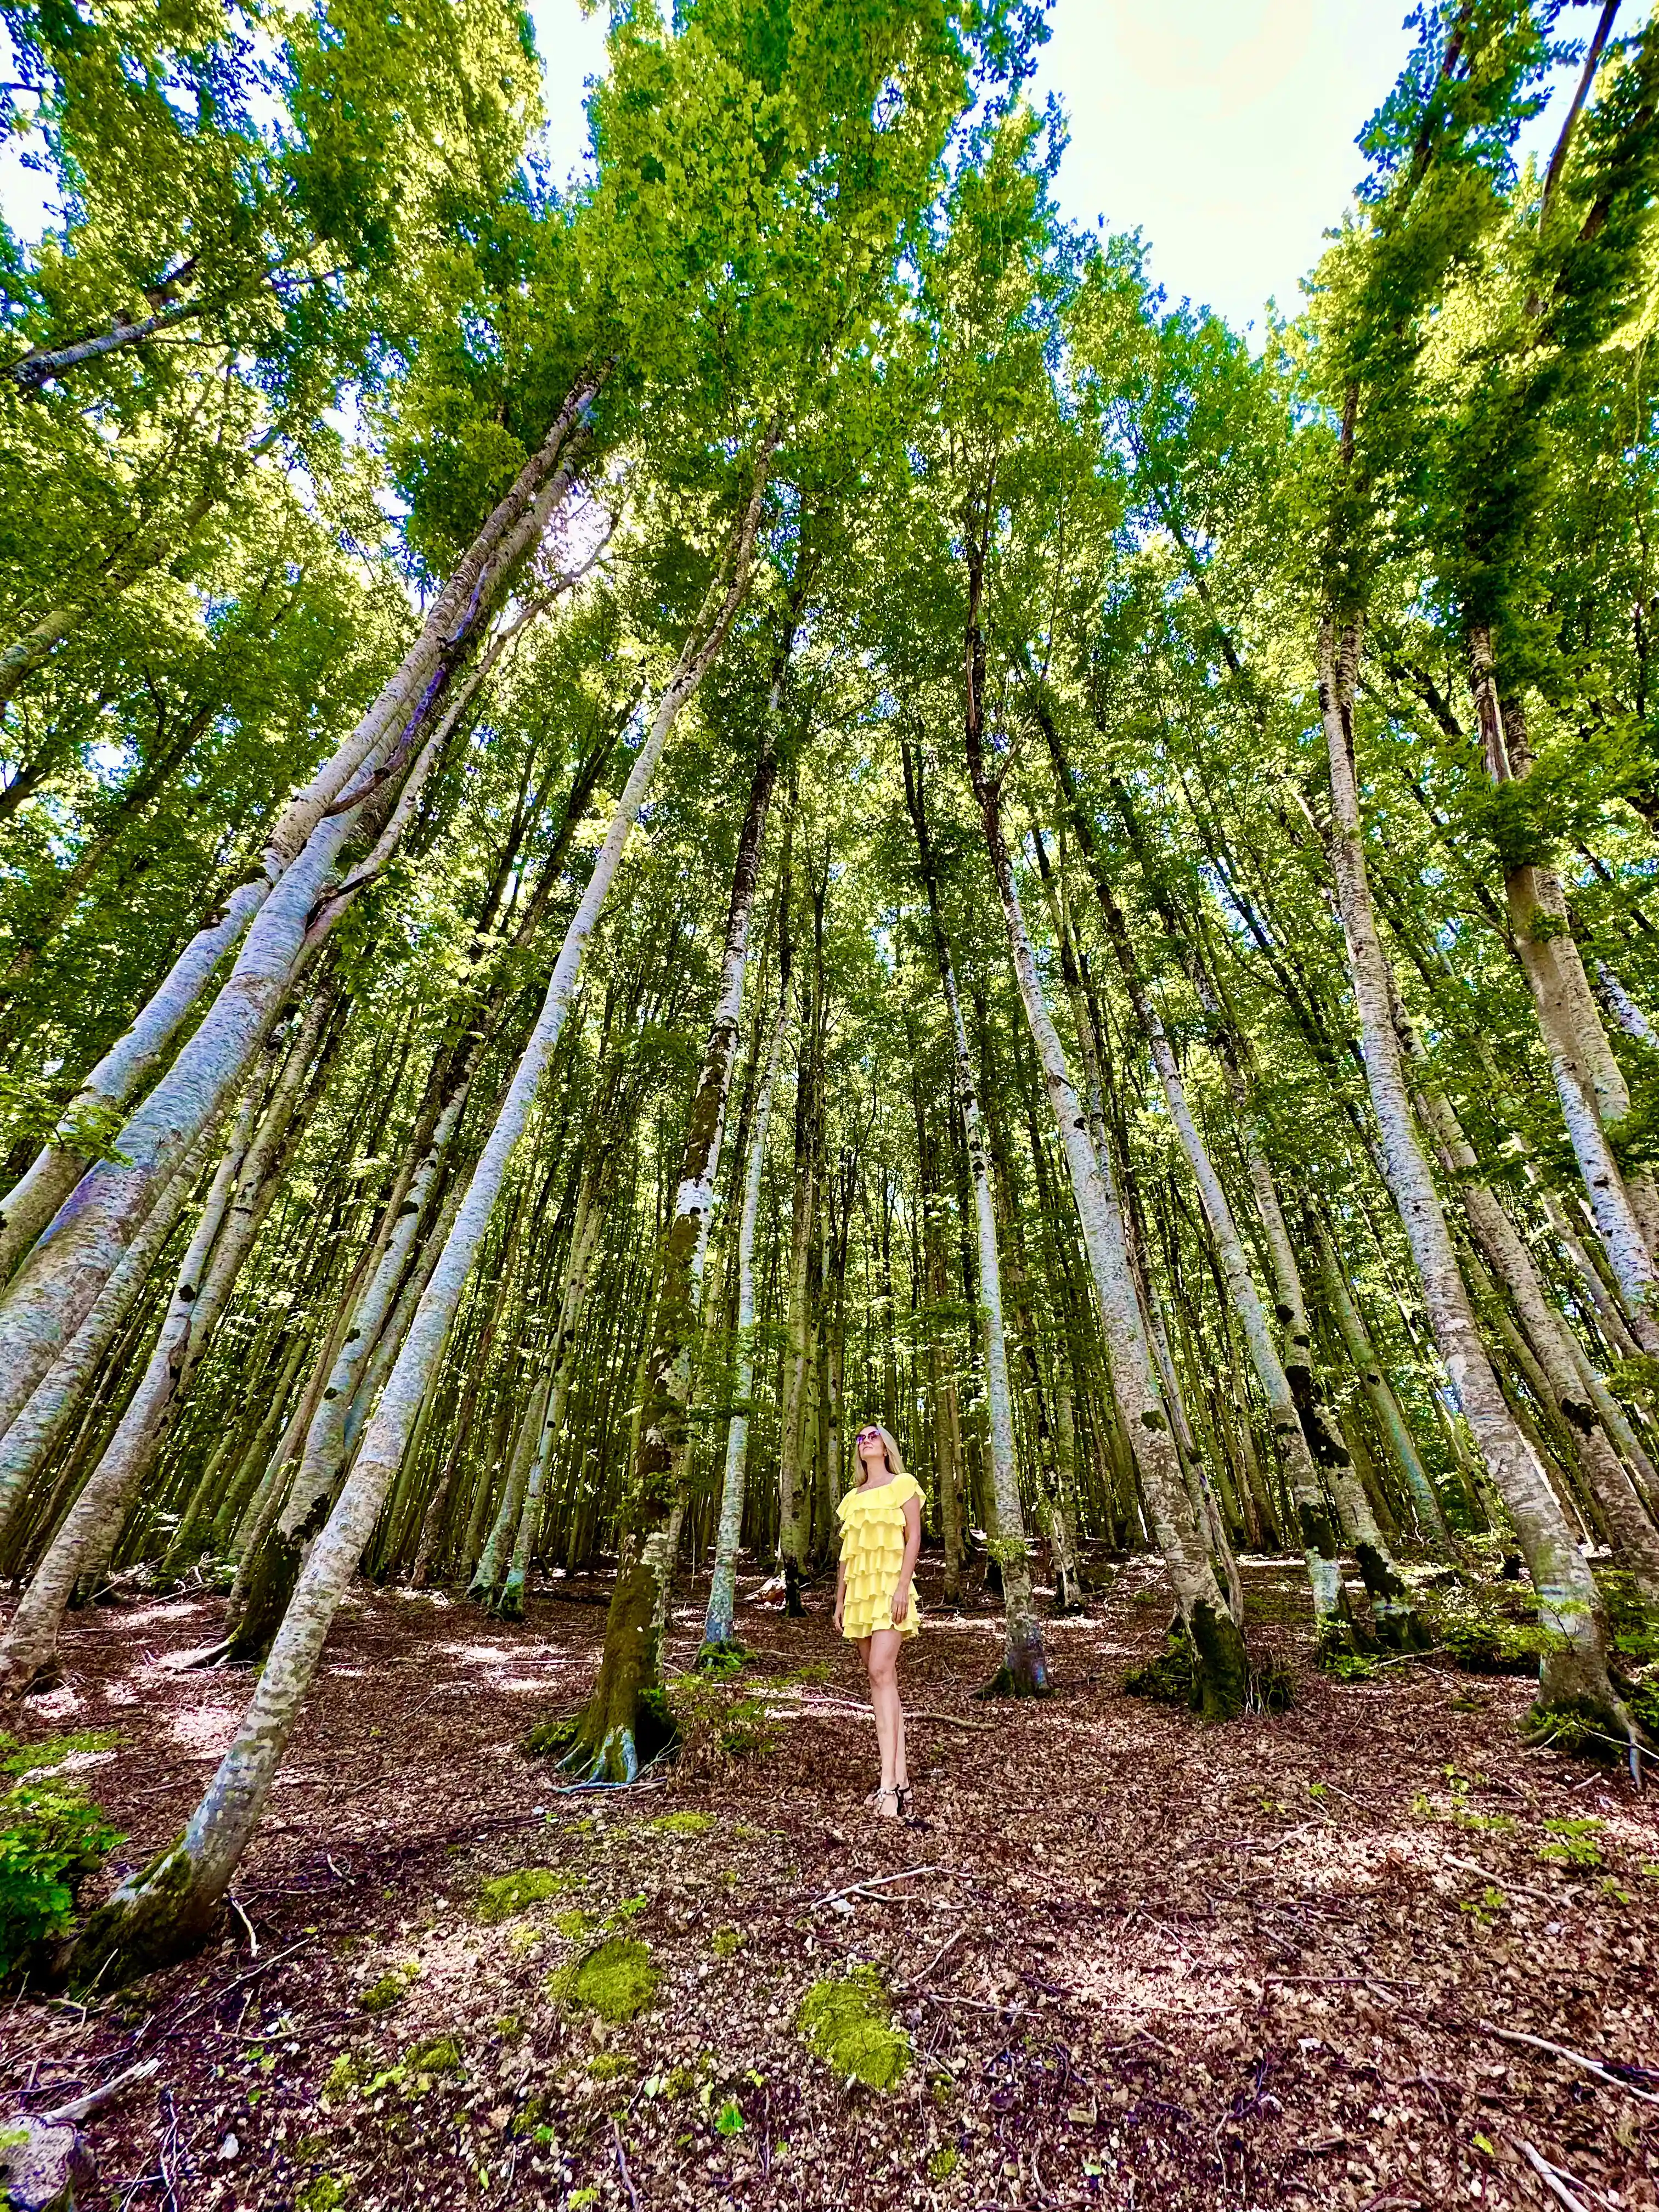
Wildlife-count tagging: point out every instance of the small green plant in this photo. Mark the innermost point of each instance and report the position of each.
(1486, 1908)
(575, 1926)
(610, 2065)
(508, 1894)
(1349, 1666)
(52, 1751)
(750, 1730)
(727, 1943)
(722, 1660)
(681, 1823)
(1572, 1843)
(728, 2121)
(618, 1980)
(849, 2026)
(943, 2163)
(51, 1839)
(341, 2077)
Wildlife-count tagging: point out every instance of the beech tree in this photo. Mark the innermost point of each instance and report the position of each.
(641, 824)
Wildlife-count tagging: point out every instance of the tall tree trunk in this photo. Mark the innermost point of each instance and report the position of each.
(717, 1628)
(1573, 1674)
(272, 911)
(1587, 1080)
(1024, 1669)
(169, 1905)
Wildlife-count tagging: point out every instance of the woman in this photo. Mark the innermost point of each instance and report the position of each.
(875, 1609)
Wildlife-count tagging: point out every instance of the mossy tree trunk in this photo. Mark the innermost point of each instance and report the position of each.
(606, 1738)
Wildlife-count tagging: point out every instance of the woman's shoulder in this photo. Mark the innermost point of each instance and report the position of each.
(905, 1488)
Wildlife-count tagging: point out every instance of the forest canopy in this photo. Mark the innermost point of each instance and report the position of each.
(644, 820)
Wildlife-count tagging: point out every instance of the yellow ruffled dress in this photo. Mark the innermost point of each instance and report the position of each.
(873, 1545)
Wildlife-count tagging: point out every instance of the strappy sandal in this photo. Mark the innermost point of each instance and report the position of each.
(907, 1800)
(877, 1799)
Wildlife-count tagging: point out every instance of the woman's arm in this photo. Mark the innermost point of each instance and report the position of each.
(908, 1564)
(840, 1595)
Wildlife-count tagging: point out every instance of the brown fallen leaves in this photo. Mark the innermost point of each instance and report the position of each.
(1139, 1963)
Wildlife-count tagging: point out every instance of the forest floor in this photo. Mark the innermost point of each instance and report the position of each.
(1141, 1964)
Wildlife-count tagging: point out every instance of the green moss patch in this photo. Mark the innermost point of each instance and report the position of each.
(617, 1979)
(507, 1894)
(848, 2024)
(682, 1824)
(727, 1943)
(390, 1990)
(429, 2062)
(610, 2065)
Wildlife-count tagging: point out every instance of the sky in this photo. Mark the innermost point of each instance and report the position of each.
(1224, 134)
(1224, 131)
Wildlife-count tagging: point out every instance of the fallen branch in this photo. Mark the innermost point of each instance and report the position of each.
(1502, 1881)
(1591, 2066)
(1551, 2177)
(81, 2106)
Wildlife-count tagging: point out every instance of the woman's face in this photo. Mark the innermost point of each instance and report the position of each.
(871, 1450)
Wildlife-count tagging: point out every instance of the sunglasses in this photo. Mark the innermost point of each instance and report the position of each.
(868, 1437)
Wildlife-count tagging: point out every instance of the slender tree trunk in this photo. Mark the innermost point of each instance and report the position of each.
(273, 910)
(717, 1628)
(607, 1738)
(170, 1905)
(1024, 1669)
(1573, 1678)
(1588, 1081)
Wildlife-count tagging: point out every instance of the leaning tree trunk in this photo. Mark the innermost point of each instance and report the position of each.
(32, 1633)
(1589, 1082)
(1573, 1682)
(606, 1740)
(1634, 1538)
(1024, 1669)
(84, 1241)
(169, 1905)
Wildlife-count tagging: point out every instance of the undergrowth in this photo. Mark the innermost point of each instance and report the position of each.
(51, 1840)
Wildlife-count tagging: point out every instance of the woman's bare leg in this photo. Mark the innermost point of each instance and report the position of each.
(883, 1662)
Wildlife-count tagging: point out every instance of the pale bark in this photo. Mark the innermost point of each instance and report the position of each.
(1633, 1536)
(1587, 1080)
(170, 1903)
(1025, 1666)
(32, 1633)
(1573, 1674)
(274, 913)
(42, 1421)
(717, 1631)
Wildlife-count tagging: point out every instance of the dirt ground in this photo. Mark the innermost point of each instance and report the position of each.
(1141, 1964)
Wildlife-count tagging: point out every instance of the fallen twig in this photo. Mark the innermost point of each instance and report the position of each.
(1591, 2066)
(880, 1882)
(1502, 1881)
(252, 1939)
(621, 2161)
(949, 1944)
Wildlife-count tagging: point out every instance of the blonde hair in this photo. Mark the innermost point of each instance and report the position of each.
(895, 1459)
